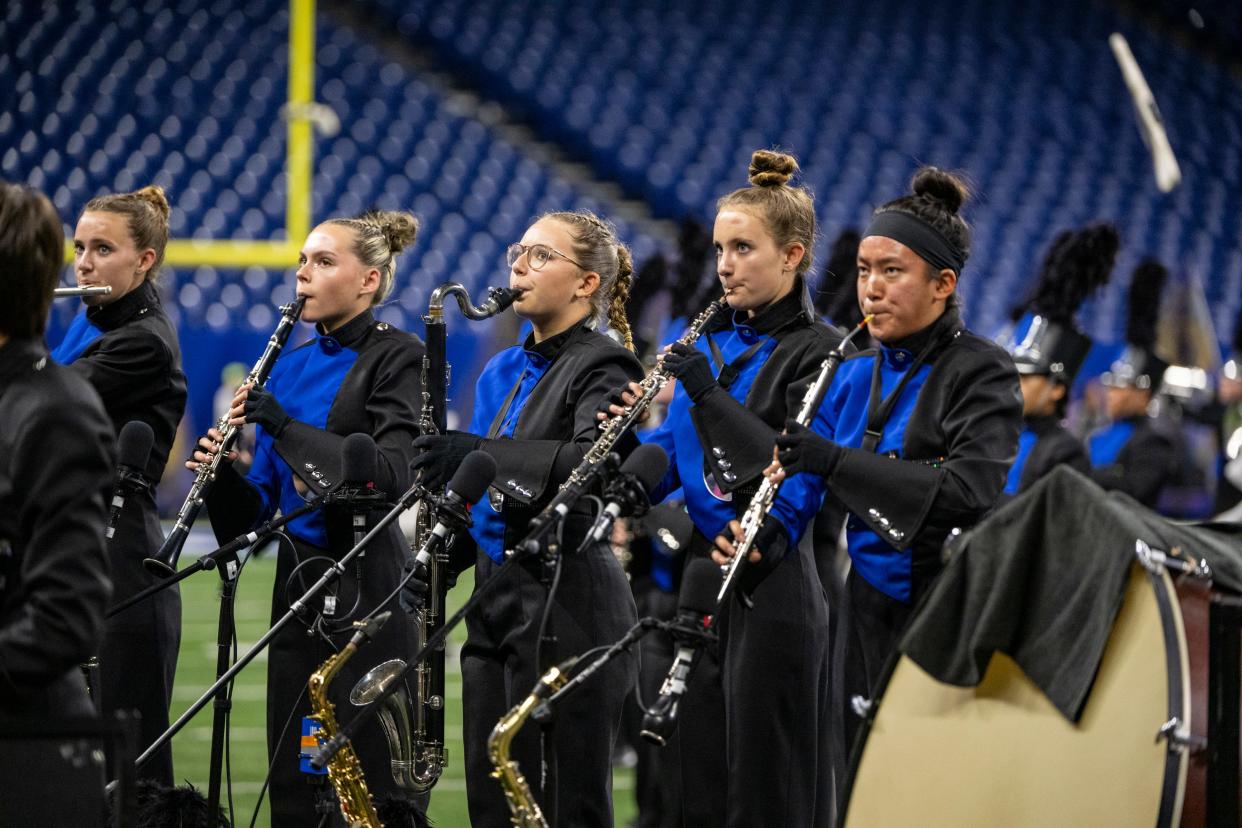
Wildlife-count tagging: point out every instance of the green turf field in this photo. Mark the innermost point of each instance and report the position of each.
(196, 670)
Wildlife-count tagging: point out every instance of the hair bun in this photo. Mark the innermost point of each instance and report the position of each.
(769, 168)
(940, 186)
(153, 194)
(398, 228)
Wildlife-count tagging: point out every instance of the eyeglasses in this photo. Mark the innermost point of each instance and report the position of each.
(537, 255)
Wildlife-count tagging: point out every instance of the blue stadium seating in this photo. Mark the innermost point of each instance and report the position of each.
(190, 97)
(666, 98)
(670, 98)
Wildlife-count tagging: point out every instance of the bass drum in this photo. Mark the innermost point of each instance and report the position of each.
(1001, 754)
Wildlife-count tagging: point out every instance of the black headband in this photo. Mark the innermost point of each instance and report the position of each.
(920, 237)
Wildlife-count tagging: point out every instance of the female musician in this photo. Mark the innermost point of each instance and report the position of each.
(535, 413)
(55, 479)
(751, 745)
(914, 437)
(354, 375)
(124, 345)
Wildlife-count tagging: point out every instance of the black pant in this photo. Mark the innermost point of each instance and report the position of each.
(138, 655)
(657, 776)
(753, 728)
(593, 607)
(294, 656)
(875, 624)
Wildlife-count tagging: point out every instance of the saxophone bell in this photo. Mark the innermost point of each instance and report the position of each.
(416, 764)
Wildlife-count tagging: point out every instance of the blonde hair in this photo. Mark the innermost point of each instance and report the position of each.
(379, 235)
(787, 212)
(146, 217)
(597, 247)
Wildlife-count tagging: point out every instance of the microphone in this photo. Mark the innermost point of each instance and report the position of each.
(133, 451)
(628, 493)
(359, 461)
(468, 484)
(691, 630)
(580, 480)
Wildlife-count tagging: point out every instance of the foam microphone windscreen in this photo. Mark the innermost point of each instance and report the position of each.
(473, 476)
(358, 459)
(134, 445)
(699, 586)
(648, 463)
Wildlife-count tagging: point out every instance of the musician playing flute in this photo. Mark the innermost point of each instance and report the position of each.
(355, 375)
(125, 346)
(534, 412)
(750, 724)
(914, 437)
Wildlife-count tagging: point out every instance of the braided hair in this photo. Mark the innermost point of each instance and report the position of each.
(379, 235)
(599, 250)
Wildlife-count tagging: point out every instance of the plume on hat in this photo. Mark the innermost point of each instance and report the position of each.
(1078, 263)
(1146, 285)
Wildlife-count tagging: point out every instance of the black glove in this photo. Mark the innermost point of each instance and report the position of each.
(413, 595)
(802, 450)
(692, 369)
(441, 455)
(614, 398)
(262, 407)
(771, 542)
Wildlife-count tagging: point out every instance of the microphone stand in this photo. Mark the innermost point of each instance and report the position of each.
(645, 625)
(226, 555)
(528, 547)
(226, 676)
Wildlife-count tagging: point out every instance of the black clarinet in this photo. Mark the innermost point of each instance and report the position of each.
(164, 562)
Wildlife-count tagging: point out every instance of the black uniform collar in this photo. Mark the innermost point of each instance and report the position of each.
(17, 356)
(549, 348)
(777, 316)
(349, 334)
(138, 302)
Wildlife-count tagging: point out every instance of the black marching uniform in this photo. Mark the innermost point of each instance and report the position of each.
(752, 726)
(133, 360)
(361, 378)
(938, 464)
(1137, 455)
(1050, 445)
(536, 405)
(56, 463)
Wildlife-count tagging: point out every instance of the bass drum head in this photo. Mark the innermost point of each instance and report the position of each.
(1001, 754)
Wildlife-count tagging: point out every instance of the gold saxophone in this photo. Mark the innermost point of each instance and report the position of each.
(524, 810)
(344, 769)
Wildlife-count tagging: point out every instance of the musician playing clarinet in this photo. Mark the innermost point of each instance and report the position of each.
(751, 724)
(534, 412)
(125, 346)
(914, 437)
(356, 375)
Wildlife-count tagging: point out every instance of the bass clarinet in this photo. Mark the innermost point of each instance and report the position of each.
(761, 503)
(165, 561)
(414, 727)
